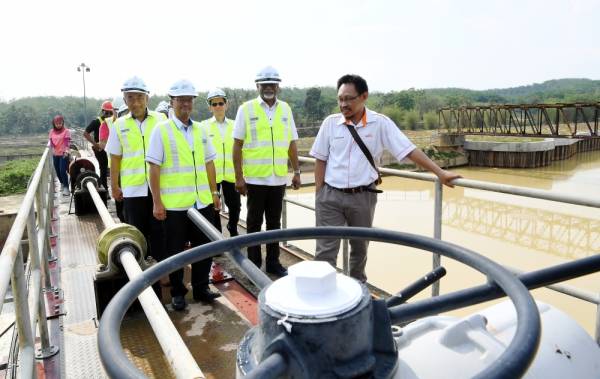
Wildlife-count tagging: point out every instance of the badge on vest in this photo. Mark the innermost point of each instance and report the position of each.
(284, 119)
(253, 118)
(124, 130)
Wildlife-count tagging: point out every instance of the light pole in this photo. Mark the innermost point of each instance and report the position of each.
(83, 68)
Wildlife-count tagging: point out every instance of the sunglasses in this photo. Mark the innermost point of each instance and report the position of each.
(218, 104)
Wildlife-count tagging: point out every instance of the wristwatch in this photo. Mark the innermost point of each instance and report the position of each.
(216, 193)
(296, 172)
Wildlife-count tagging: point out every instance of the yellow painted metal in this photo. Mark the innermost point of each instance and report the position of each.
(118, 233)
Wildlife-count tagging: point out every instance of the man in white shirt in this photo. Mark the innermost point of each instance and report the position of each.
(127, 144)
(264, 138)
(182, 176)
(345, 180)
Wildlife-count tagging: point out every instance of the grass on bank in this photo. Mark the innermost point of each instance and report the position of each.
(14, 175)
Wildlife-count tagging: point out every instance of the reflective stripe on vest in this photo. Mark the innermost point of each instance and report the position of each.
(223, 147)
(183, 178)
(134, 170)
(266, 146)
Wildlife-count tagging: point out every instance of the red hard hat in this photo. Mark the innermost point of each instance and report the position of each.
(58, 118)
(107, 106)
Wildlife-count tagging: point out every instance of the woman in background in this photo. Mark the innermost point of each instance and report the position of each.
(60, 140)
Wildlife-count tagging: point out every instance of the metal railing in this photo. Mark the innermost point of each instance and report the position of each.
(34, 216)
(485, 186)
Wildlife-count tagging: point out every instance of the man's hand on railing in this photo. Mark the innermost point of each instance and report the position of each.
(446, 177)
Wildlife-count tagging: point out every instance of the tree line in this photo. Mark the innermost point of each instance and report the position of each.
(410, 109)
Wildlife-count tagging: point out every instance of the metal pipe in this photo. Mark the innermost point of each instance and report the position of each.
(26, 344)
(259, 278)
(13, 241)
(177, 353)
(107, 219)
(493, 187)
(475, 295)
(298, 203)
(274, 366)
(437, 232)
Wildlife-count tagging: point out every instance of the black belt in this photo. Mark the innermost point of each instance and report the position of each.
(359, 189)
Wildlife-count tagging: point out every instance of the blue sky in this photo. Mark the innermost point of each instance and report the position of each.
(394, 44)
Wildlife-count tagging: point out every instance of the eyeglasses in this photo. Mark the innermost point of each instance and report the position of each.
(347, 99)
(217, 104)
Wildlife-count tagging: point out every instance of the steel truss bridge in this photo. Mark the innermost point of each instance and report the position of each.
(558, 234)
(562, 120)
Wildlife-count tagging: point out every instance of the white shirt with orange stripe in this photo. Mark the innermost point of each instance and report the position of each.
(347, 166)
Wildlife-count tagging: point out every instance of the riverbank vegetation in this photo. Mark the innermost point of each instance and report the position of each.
(411, 109)
(14, 175)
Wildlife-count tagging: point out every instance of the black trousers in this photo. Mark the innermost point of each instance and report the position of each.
(267, 200)
(233, 202)
(103, 165)
(179, 231)
(138, 212)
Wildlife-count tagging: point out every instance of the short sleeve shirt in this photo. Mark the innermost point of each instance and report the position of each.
(347, 166)
(156, 152)
(239, 132)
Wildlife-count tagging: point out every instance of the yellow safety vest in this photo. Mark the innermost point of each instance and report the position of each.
(223, 147)
(134, 169)
(183, 177)
(266, 146)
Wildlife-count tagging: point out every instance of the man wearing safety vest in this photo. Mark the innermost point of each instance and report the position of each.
(264, 138)
(220, 131)
(182, 176)
(127, 145)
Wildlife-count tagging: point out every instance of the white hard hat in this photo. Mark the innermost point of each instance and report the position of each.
(268, 75)
(118, 102)
(217, 92)
(135, 84)
(182, 88)
(122, 109)
(163, 107)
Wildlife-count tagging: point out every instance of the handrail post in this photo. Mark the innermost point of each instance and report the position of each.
(35, 254)
(19, 287)
(437, 231)
(345, 263)
(597, 331)
(284, 218)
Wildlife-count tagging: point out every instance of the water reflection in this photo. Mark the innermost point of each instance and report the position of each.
(547, 231)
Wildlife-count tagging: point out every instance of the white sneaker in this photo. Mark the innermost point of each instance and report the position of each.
(65, 191)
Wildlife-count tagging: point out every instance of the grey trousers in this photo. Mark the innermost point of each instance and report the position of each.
(336, 208)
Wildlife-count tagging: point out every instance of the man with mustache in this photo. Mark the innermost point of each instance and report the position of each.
(264, 138)
(346, 178)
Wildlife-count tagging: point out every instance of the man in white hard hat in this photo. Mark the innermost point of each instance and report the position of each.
(220, 130)
(264, 138)
(182, 176)
(348, 149)
(128, 142)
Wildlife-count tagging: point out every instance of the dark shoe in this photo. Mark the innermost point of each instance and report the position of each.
(205, 295)
(277, 270)
(233, 232)
(178, 303)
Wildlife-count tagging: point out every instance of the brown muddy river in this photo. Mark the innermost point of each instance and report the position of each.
(522, 233)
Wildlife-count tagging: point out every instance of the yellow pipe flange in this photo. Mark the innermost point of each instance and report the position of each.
(114, 235)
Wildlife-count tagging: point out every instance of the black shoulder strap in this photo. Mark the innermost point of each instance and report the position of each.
(364, 149)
